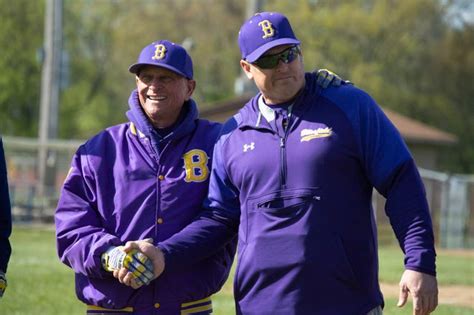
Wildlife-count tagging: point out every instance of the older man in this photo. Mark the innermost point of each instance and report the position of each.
(144, 179)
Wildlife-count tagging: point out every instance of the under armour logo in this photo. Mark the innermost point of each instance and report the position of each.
(160, 51)
(250, 146)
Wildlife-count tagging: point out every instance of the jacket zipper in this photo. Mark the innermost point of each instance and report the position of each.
(283, 162)
(283, 170)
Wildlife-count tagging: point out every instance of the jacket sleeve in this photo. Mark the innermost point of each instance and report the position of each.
(392, 170)
(5, 213)
(217, 224)
(80, 235)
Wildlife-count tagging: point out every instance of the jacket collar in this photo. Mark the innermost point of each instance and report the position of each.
(267, 111)
(144, 127)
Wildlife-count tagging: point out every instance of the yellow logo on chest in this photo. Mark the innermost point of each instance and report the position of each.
(310, 134)
(195, 165)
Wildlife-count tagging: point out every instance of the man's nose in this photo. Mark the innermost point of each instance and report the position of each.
(156, 82)
(282, 64)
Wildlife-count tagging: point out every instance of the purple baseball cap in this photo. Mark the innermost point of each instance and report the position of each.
(262, 32)
(167, 55)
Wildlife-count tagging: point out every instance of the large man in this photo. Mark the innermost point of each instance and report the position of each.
(5, 221)
(293, 174)
(144, 179)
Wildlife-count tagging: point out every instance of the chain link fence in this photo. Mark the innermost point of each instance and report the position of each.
(451, 200)
(451, 196)
(28, 205)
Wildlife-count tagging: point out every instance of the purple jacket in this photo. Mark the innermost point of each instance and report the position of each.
(301, 201)
(129, 183)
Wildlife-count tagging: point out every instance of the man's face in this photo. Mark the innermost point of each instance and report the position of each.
(279, 84)
(162, 94)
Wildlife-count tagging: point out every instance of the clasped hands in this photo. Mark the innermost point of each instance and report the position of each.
(135, 264)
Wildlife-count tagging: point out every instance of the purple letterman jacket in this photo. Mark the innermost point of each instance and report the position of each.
(301, 201)
(127, 183)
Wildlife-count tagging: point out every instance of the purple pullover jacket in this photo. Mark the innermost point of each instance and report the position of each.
(300, 200)
(128, 183)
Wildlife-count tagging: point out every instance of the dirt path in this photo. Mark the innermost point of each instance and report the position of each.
(460, 295)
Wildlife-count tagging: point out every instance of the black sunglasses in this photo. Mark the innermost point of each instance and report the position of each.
(271, 61)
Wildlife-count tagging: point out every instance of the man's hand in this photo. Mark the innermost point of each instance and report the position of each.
(327, 77)
(423, 289)
(131, 267)
(152, 252)
(3, 283)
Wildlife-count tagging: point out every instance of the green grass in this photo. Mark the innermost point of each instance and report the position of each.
(451, 269)
(39, 284)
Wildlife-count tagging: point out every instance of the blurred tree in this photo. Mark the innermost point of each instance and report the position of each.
(89, 103)
(452, 104)
(209, 26)
(412, 56)
(104, 37)
(20, 66)
(381, 45)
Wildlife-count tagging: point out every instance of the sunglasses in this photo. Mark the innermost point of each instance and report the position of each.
(271, 61)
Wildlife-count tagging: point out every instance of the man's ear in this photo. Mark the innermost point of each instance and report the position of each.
(246, 67)
(191, 84)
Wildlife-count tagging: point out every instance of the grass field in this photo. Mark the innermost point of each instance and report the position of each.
(40, 284)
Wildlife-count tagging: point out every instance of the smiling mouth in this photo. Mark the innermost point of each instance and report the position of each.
(155, 98)
(283, 78)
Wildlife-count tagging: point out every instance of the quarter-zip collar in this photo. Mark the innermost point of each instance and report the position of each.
(268, 112)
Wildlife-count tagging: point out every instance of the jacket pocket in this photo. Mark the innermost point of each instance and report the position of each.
(289, 239)
(280, 212)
